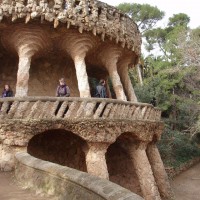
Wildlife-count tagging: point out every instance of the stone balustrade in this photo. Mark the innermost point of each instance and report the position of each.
(95, 16)
(75, 108)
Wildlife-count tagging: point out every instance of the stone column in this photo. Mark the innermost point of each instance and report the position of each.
(23, 75)
(108, 89)
(159, 171)
(128, 87)
(95, 159)
(26, 41)
(109, 57)
(143, 170)
(117, 85)
(77, 46)
(82, 77)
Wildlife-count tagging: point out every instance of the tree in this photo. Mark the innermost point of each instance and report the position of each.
(180, 19)
(144, 15)
(172, 77)
(167, 39)
(190, 47)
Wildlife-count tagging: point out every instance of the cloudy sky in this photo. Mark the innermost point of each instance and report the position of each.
(170, 7)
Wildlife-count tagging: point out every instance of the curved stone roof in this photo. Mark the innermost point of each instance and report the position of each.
(87, 15)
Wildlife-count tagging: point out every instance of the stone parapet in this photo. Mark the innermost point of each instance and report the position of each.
(87, 15)
(76, 108)
(66, 183)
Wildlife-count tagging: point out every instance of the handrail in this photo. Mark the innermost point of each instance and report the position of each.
(75, 108)
(65, 182)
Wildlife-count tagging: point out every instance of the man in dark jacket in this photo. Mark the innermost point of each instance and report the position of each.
(153, 102)
(7, 92)
(101, 89)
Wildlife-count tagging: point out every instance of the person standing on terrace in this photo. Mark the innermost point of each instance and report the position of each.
(62, 89)
(7, 92)
(101, 89)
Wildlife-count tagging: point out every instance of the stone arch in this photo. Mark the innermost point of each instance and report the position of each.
(59, 146)
(120, 165)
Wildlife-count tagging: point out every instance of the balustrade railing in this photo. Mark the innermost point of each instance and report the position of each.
(70, 108)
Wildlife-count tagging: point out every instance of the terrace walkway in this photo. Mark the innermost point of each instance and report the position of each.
(9, 190)
(186, 186)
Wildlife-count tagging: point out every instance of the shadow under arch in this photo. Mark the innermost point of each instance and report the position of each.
(120, 165)
(59, 146)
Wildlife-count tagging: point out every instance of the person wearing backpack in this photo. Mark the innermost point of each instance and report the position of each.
(101, 89)
(62, 89)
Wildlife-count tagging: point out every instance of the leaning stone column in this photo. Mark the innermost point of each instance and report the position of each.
(81, 74)
(26, 41)
(117, 85)
(23, 75)
(124, 75)
(159, 171)
(109, 57)
(95, 159)
(77, 46)
(108, 89)
(143, 170)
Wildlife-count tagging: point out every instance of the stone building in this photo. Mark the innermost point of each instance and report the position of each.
(115, 139)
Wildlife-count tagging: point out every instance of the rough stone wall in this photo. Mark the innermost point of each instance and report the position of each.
(59, 146)
(45, 73)
(16, 134)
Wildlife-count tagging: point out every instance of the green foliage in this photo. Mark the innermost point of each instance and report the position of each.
(170, 88)
(180, 19)
(176, 148)
(155, 37)
(145, 15)
(172, 77)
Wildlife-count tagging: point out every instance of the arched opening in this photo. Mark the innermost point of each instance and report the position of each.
(121, 167)
(51, 70)
(59, 146)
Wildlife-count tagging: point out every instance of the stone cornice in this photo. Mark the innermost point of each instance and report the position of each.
(94, 16)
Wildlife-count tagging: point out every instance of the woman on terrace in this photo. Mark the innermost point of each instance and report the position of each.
(62, 89)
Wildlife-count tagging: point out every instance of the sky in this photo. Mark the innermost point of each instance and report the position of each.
(170, 7)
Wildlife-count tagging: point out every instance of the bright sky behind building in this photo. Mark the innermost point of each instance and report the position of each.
(170, 7)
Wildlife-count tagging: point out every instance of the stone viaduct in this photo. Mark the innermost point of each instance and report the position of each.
(113, 139)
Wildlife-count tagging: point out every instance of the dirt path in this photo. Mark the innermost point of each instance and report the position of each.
(186, 186)
(9, 190)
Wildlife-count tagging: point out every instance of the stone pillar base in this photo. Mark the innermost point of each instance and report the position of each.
(137, 152)
(95, 159)
(159, 172)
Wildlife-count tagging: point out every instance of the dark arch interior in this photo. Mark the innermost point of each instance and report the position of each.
(8, 69)
(59, 146)
(120, 166)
